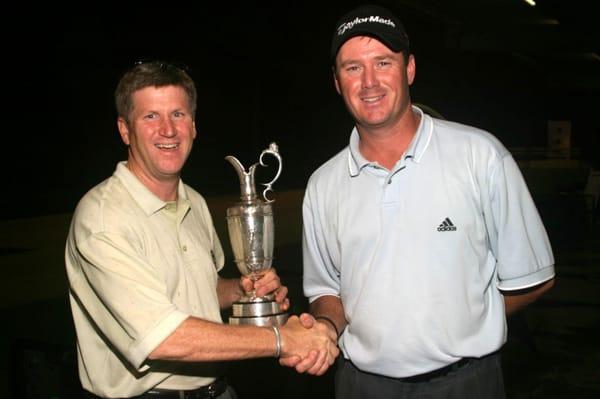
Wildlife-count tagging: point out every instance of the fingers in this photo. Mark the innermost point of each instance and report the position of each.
(307, 320)
(309, 361)
(317, 362)
(325, 366)
(326, 359)
(281, 294)
(267, 283)
(271, 283)
(285, 305)
(308, 345)
(246, 284)
(290, 361)
(332, 355)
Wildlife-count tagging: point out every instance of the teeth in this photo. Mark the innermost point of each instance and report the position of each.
(167, 146)
(372, 99)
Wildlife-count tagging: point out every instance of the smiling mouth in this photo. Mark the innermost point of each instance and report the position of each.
(372, 99)
(166, 146)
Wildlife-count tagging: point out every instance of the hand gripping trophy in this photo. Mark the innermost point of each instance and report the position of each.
(251, 232)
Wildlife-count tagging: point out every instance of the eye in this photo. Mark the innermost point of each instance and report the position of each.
(352, 68)
(178, 114)
(151, 115)
(383, 63)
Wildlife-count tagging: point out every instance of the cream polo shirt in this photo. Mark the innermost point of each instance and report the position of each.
(417, 253)
(137, 268)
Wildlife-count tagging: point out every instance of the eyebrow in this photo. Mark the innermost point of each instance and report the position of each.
(349, 62)
(376, 58)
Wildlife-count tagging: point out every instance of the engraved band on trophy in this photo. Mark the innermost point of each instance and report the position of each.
(251, 233)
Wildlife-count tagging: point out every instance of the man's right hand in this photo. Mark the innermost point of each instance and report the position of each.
(308, 346)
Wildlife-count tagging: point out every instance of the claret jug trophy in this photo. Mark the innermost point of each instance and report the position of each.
(251, 232)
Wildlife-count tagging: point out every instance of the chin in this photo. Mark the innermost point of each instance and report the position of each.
(170, 170)
(374, 118)
(374, 122)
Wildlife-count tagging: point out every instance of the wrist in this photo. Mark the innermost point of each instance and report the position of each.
(277, 341)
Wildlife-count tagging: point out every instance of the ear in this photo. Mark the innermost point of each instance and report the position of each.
(335, 81)
(411, 69)
(123, 129)
(194, 130)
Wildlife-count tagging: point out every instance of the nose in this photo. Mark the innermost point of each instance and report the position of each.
(167, 128)
(369, 78)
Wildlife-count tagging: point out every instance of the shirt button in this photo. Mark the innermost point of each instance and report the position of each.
(184, 248)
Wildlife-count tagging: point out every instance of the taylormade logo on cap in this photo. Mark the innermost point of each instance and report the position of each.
(371, 19)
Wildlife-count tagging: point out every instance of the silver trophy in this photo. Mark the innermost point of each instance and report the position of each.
(251, 232)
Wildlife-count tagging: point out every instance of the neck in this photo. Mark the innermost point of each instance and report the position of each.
(165, 189)
(386, 145)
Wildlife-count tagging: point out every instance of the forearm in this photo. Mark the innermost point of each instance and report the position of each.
(228, 291)
(330, 307)
(514, 301)
(198, 340)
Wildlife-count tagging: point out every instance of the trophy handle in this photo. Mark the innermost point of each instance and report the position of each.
(274, 151)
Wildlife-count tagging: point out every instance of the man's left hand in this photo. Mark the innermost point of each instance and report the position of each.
(268, 283)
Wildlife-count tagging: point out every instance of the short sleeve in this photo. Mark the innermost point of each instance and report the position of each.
(518, 237)
(321, 276)
(124, 296)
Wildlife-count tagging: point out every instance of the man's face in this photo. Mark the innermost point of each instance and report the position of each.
(160, 132)
(374, 81)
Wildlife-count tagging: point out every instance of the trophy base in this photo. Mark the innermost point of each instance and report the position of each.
(261, 321)
(267, 313)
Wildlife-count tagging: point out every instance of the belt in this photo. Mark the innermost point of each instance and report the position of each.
(210, 391)
(436, 373)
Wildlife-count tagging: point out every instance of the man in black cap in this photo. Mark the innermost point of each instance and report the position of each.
(419, 237)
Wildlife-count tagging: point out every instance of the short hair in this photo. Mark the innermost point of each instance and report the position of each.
(152, 74)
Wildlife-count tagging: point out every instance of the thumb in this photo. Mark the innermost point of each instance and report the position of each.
(246, 284)
(307, 320)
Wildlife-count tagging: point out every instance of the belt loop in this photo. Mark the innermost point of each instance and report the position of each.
(181, 395)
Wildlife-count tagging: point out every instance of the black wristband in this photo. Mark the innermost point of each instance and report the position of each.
(337, 332)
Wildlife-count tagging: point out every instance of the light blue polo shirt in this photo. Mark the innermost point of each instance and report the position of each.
(417, 254)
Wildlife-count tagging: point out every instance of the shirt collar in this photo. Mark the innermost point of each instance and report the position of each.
(145, 198)
(415, 150)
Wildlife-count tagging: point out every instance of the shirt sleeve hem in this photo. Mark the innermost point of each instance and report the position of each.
(315, 297)
(141, 349)
(528, 281)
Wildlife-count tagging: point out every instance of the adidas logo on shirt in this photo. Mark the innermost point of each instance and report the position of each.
(447, 225)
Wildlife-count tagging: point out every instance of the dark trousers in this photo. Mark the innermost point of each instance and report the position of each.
(470, 379)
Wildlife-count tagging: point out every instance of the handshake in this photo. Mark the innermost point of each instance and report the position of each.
(304, 343)
(308, 345)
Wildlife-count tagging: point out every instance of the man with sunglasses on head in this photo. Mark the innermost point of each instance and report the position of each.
(143, 257)
(419, 237)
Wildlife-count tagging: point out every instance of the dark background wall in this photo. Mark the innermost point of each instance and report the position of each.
(262, 71)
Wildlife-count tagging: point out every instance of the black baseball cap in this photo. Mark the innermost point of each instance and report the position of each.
(370, 20)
